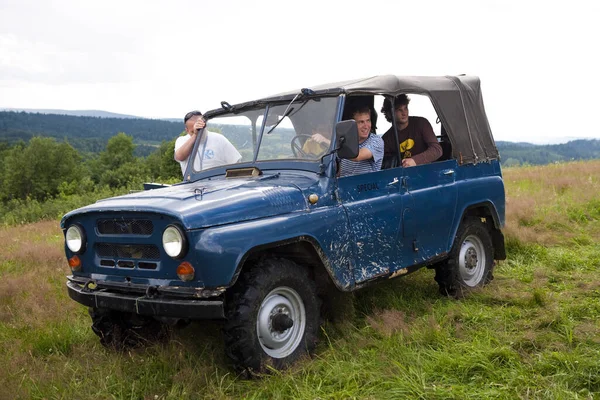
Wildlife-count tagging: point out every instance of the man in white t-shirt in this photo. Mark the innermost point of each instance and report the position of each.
(214, 149)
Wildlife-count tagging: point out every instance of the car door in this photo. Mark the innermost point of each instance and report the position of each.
(429, 208)
(373, 206)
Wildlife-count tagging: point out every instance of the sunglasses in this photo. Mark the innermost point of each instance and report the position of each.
(190, 115)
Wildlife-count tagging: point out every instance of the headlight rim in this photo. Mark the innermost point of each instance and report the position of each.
(79, 228)
(184, 242)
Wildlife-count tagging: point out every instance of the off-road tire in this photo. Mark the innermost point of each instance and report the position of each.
(471, 260)
(271, 287)
(120, 331)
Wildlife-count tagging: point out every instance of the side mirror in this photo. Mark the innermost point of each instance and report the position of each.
(347, 139)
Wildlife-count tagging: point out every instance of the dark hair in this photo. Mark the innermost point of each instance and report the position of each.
(190, 115)
(361, 110)
(400, 100)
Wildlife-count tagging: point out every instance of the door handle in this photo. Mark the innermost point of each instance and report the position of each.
(394, 182)
(448, 172)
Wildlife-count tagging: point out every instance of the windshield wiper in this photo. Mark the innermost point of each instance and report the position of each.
(288, 111)
(289, 108)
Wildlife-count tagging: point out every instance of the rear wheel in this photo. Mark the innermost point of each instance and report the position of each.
(471, 260)
(272, 316)
(120, 330)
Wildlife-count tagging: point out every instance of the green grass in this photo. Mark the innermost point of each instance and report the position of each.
(533, 333)
(521, 337)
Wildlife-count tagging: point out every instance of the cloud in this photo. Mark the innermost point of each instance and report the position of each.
(151, 58)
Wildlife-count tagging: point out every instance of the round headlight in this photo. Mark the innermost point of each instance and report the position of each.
(75, 239)
(173, 241)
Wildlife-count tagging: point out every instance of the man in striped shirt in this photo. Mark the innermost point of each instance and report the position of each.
(370, 147)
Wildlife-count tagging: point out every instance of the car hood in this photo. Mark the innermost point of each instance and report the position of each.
(203, 204)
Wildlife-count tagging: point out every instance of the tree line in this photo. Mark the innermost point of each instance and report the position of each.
(51, 164)
(45, 178)
(86, 134)
(518, 154)
(90, 135)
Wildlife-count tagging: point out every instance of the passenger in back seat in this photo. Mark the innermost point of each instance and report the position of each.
(418, 144)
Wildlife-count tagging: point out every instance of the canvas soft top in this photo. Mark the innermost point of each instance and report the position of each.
(457, 100)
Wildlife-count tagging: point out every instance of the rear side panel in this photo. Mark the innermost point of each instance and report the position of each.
(480, 185)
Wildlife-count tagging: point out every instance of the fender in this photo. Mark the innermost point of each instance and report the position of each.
(222, 250)
(342, 280)
(497, 236)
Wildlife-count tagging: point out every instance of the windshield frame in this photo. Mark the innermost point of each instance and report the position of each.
(312, 165)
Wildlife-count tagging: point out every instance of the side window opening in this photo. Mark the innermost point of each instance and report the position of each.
(357, 102)
(362, 109)
(379, 124)
(421, 137)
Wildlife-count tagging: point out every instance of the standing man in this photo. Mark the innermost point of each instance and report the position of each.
(418, 144)
(214, 149)
(370, 147)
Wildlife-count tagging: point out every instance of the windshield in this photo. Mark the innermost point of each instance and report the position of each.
(303, 134)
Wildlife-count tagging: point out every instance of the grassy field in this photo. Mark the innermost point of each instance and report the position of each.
(533, 333)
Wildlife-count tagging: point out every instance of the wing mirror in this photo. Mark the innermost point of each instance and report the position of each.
(347, 139)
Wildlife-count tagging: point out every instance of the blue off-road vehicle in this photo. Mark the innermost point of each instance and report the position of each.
(263, 242)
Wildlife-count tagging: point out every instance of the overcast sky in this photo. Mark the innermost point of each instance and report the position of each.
(538, 61)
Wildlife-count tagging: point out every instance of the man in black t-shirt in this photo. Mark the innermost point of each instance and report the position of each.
(418, 144)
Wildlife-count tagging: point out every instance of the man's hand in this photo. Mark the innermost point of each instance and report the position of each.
(199, 124)
(317, 137)
(408, 162)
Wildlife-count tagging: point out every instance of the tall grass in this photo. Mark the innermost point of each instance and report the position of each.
(533, 333)
(554, 204)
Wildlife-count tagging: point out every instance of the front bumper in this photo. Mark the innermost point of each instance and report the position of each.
(151, 303)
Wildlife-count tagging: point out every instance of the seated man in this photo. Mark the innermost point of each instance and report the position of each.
(370, 147)
(319, 141)
(418, 144)
(214, 149)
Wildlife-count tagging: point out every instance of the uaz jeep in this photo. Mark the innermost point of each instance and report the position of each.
(261, 242)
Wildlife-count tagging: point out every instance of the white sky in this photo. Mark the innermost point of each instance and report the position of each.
(536, 60)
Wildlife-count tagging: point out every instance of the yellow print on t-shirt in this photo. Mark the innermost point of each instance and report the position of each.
(405, 148)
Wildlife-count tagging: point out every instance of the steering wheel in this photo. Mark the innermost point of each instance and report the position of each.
(297, 143)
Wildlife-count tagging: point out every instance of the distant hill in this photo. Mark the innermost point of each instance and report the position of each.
(76, 113)
(86, 133)
(513, 154)
(90, 133)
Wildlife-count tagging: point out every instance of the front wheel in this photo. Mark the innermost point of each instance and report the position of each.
(471, 260)
(272, 316)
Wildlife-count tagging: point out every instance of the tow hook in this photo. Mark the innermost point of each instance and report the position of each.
(151, 291)
(90, 285)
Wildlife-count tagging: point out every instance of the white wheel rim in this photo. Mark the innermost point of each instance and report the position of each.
(472, 261)
(280, 344)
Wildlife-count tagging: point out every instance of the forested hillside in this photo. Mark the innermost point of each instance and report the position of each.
(44, 178)
(514, 154)
(86, 134)
(77, 113)
(91, 135)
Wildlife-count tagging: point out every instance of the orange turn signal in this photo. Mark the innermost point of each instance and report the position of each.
(185, 271)
(75, 263)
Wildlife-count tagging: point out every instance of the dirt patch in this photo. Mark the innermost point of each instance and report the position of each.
(389, 322)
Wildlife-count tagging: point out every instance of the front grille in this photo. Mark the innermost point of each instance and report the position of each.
(135, 251)
(147, 265)
(123, 226)
(125, 264)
